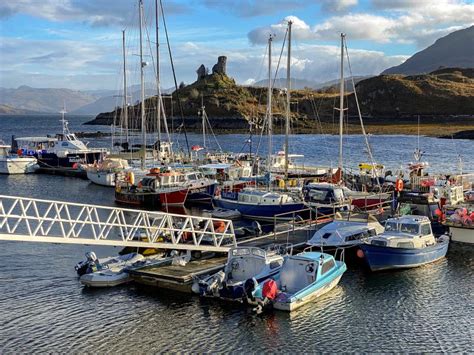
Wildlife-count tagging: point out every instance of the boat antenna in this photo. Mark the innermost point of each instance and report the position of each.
(63, 120)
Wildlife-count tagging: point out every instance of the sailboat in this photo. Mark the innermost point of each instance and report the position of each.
(257, 204)
(150, 192)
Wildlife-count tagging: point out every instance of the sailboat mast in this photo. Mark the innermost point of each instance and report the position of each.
(269, 103)
(203, 117)
(158, 109)
(125, 103)
(288, 87)
(341, 104)
(142, 84)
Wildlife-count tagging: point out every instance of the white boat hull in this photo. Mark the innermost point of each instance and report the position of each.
(462, 234)
(289, 307)
(105, 278)
(102, 178)
(15, 165)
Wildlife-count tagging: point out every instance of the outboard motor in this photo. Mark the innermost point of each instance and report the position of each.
(84, 267)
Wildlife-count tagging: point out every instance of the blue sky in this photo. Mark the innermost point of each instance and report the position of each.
(77, 43)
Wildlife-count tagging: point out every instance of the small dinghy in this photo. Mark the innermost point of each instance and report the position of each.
(302, 278)
(225, 213)
(106, 272)
(245, 267)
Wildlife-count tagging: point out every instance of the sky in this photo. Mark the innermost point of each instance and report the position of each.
(77, 44)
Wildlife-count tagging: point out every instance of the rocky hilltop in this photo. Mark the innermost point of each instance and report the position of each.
(438, 96)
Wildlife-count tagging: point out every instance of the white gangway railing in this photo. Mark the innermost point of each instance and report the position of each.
(35, 220)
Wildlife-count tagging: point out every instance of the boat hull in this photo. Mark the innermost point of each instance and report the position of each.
(385, 258)
(462, 234)
(105, 279)
(261, 212)
(102, 178)
(152, 200)
(291, 306)
(16, 165)
(202, 194)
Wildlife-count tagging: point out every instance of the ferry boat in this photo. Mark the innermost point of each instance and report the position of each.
(406, 242)
(15, 164)
(303, 278)
(244, 265)
(260, 205)
(63, 153)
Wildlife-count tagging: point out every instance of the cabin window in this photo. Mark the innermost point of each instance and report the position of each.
(327, 266)
(391, 226)
(425, 229)
(409, 228)
(379, 243)
(326, 235)
(405, 245)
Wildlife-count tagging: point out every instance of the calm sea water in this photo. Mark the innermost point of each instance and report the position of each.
(43, 307)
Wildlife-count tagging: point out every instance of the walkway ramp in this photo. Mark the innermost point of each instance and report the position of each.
(36, 220)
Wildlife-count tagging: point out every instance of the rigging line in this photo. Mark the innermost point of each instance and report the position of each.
(279, 59)
(174, 78)
(369, 150)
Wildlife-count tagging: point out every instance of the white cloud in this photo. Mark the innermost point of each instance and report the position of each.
(338, 5)
(300, 31)
(252, 8)
(93, 12)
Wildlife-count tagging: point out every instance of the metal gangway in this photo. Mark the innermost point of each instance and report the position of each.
(36, 220)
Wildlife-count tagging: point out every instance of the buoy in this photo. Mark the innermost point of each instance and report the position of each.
(281, 184)
(360, 254)
(399, 185)
(131, 177)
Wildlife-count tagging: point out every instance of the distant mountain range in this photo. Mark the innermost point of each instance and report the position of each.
(456, 50)
(28, 100)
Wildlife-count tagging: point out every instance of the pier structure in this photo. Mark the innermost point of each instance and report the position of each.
(37, 220)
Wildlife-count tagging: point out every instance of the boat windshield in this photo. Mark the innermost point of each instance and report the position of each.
(318, 195)
(391, 226)
(409, 228)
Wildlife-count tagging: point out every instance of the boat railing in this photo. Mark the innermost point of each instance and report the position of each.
(36, 220)
(382, 204)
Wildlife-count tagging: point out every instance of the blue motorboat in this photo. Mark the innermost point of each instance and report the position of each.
(407, 242)
(261, 205)
(302, 278)
(245, 267)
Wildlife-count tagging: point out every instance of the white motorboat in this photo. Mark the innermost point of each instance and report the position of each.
(105, 172)
(347, 230)
(14, 163)
(225, 213)
(106, 272)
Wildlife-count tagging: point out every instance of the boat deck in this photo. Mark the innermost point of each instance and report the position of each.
(177, 277)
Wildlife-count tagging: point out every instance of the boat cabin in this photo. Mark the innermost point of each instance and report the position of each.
(244, 263)
(301, 270)
(323, 193)
(4, 150)
(252, 196)
(347, 229)
(409, 232)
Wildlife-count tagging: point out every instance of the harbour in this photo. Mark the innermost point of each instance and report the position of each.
(310, 192)
(431, 289)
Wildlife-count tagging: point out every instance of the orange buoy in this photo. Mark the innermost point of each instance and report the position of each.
(360, 254)
(399, 185)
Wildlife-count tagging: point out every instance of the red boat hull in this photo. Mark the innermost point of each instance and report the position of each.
(152, 200)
